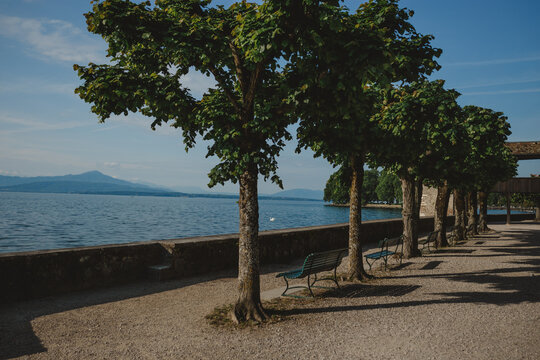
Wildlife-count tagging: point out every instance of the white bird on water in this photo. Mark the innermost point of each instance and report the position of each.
(272, 219)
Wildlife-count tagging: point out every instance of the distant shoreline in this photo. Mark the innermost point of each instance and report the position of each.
(381, 206)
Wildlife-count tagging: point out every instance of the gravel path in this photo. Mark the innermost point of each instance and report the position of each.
(479, 300)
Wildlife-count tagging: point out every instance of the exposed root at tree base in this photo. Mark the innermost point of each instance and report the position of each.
(248, 311)
(277, 310)
(360, 276)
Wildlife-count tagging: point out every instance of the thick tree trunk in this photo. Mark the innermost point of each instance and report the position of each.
(248, 306)
(418, 189)
(441, 209)
(356, 265)
(508, 211)
(459, 224)
(482, 218)
(472, 205)
(410, 247)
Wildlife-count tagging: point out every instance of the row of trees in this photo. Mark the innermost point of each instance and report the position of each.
(377, 187)
(354, 82)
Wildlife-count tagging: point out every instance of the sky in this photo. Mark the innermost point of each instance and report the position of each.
(491, 55)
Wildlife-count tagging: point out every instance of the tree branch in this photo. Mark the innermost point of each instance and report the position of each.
(221, 81)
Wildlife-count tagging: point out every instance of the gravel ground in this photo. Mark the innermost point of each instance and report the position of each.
(479, 300)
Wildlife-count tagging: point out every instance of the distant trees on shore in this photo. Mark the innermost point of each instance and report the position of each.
(378, 187)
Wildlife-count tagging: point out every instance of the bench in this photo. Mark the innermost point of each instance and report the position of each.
(430, 238)
(384, 253)
(313, 264)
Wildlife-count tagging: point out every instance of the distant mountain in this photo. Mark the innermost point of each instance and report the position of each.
(88, 182)
(300, 193)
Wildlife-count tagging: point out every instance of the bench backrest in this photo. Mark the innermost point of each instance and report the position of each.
(433, 236)
(323, 261)
(386, 242)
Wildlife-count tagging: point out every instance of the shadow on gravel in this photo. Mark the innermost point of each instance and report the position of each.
(17, 337)
(431, 265)
(500, 286)
(517, 289)
(361, 290)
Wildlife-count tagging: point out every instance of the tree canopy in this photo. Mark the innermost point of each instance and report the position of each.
(245, 116)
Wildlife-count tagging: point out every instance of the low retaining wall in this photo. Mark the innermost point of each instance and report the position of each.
(28, 275)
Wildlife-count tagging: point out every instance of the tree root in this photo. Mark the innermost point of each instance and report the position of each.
(245, 311)
(361, 275)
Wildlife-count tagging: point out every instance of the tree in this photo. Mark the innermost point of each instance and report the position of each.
(244, 115)
(489, 160)
(416, 122)
(369, 186)
(338, 185)
(375, 45)
(337, 189)
(389, 188)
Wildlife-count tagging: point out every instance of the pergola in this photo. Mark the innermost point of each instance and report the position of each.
(526, 150)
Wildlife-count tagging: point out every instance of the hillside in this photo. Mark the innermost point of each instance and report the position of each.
(89, 182)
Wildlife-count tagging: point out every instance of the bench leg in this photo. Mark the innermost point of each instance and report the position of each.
(309, 284)
(286, 282)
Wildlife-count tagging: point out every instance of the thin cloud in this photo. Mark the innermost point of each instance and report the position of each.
(53, 39)
(495, 61)
(502, 92)
(500, 83)
(29, 125)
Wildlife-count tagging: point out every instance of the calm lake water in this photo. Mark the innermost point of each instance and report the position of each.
(32, 221)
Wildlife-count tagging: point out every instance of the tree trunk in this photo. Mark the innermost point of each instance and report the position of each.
(441, 210)
(356, 264)
(418, 189)
(472, 203)
(248, 306)
(410, 247)
(482, 218)
(459, 224)
(508, 211)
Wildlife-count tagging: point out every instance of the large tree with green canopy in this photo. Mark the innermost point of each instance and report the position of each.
(244, 116)
(416, 123)
(488, 160)
(376, 44)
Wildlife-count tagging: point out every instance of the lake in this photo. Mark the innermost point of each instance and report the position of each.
(35, 221)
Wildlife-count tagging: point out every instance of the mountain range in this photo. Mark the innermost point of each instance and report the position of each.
(95, 182)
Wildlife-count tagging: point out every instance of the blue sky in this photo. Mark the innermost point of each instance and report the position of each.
(491, 54)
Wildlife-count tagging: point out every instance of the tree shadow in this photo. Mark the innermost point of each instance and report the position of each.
(17, 337)
(507, 290)
(431, 265)
(366, 290)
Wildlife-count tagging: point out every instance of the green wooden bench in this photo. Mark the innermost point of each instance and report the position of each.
(313, 264)
(432, 236)
(384, 253)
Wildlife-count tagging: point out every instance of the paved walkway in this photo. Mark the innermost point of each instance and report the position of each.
(480, 300)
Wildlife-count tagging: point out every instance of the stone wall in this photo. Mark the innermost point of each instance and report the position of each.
(28, 275)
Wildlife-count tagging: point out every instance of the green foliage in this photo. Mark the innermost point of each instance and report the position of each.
(488, 160)
(369, 186)
(516, 200)
(151, 47)
(334, 76)
(417, 124)
(338, 186)
(337, 189)
(389, 188)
